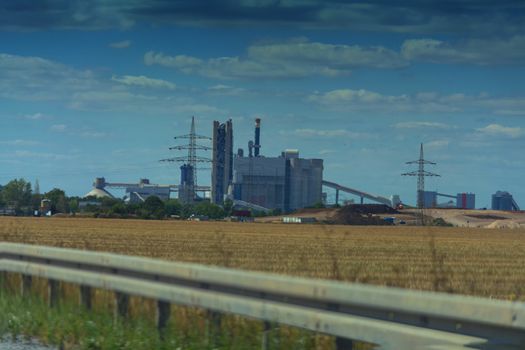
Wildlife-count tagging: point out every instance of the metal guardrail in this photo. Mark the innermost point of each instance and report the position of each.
(392, 318)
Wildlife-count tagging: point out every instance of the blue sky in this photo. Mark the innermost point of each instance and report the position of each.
(97, 88)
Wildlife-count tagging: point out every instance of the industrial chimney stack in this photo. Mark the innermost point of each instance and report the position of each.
(257, 145)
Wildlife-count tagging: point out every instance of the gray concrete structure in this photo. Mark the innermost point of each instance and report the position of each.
(305, 183)
(286, 182)
(502, 200)
(140, 192)
(466, 201)
(260, 180)
(222, 169)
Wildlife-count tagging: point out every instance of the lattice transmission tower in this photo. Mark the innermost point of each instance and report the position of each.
(421, 173)
(191, 159)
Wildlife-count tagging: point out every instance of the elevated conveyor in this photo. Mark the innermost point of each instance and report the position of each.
(361, 194)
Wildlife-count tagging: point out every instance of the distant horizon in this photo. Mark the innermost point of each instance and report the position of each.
(100, 90)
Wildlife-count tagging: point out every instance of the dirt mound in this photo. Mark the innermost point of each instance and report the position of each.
(368, 209)
(504, 224)
(485, 217)
(362, 214)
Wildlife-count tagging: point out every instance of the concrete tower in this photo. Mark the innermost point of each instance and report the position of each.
(222, 160)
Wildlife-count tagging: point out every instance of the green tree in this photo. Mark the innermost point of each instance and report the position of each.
(119, 209)
(74, 205)
(210, 210)
(319, 205)
(187, 210)
(107, 203)
(153, 208)
(276, 212)
(228, 207)
(59, 201)
(17, 193)
(173, 207)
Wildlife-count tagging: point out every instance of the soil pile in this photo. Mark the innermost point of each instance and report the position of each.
(504, 224)
(363, 214)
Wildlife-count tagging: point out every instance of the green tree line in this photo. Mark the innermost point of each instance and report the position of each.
(20, 196)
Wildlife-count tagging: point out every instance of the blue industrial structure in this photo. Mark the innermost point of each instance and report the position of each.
(502, 200)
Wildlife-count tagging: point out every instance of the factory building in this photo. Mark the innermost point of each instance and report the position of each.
(466, 201)
(430, 199)
(187, 186)
(503, 200)
(303, 181)
(140, 192)
(222, 170)
(260, 180)
(286, 182)
(135, 193)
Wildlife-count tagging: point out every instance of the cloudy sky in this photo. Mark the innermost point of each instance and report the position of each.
(99, 88)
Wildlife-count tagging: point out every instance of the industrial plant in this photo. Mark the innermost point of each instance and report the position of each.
(284, 182)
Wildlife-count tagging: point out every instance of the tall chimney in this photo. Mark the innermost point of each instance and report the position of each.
(257, 145)
(250, 148)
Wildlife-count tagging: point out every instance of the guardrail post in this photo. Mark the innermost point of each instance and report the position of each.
(265, 344)
(343, 343)
(3, 280)
(213, 327)
(121, 306)
(85, 297)
(163, 315)
(25, 285)
(52, 292)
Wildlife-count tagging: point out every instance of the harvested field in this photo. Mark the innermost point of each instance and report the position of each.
(458, 260)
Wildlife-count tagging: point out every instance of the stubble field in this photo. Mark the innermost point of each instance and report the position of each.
(481, 262)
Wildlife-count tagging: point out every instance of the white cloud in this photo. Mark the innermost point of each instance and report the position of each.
(418, 125)
(182, 62)
(222, 89)
(294, 59)
(423, 102)
(346, 96)
(144, 81)
(328, 133)
(301, 58)
(121, 44)
(20, 142)
(36, 116)
(474, 51)
(437, 144)
(503, 131)
(58, 127)
(337, 57)
(35, 78)
(505, 106)
(41, 155)
(93, 134)
(125, 101)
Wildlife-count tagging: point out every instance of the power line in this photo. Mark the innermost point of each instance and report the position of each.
(421, 174)
(191, 159)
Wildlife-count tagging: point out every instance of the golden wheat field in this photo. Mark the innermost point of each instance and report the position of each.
(489, 263)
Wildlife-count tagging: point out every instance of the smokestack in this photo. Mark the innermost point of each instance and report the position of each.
(250, 148)
(257, 145)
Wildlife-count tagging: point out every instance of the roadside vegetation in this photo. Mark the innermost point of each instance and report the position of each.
(70, 327)
(487, 263)
(452, 260)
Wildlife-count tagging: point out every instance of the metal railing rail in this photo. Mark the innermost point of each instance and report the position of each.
(393, 318)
